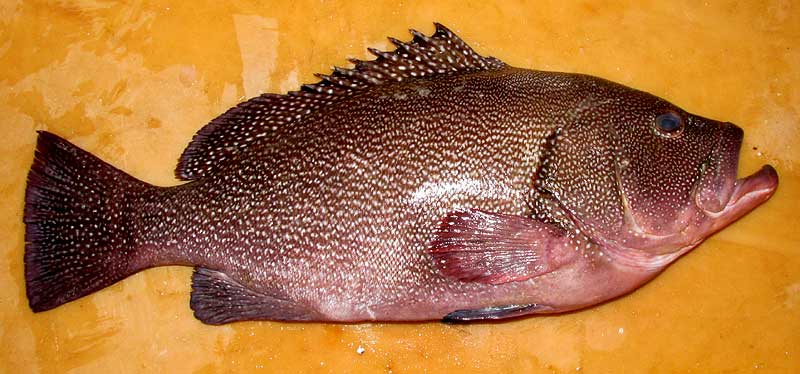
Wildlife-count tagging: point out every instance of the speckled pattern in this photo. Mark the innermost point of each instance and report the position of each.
(330, 203)
(133, 82)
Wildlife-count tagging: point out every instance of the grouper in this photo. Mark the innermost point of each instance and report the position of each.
(431, 183)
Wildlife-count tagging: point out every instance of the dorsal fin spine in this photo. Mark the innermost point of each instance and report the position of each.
(397, 42)
(381, 54)
(419, 37)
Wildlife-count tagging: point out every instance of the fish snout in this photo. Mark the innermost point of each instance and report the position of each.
(733, 132)
(718, 172)
(723, 196)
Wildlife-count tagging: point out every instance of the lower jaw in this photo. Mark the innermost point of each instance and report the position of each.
(748, 193)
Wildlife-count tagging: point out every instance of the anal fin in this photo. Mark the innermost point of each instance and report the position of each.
(217, 299)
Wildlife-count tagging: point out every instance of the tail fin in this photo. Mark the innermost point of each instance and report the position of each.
(77, 239)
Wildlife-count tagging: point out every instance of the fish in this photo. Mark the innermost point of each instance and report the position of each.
(431, 183)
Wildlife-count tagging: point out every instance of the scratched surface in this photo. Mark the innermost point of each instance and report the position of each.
(132, 83)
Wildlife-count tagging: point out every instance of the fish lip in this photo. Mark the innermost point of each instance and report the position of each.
(748, 193)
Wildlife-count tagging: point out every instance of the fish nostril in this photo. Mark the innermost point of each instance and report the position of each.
(734, 130)
(733, 127)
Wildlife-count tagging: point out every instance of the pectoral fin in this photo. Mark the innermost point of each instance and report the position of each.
(477, 246)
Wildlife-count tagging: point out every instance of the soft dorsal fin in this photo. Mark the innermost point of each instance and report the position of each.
(240, 126)
(442, 53)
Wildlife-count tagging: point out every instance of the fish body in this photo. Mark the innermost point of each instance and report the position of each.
(431, 183)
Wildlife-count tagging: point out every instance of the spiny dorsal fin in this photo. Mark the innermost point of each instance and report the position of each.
(424, 56)
(442, 53)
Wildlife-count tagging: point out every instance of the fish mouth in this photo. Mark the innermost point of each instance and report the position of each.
(723, 197)
(747, 194)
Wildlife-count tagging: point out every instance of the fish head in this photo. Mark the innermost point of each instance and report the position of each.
(646, 179)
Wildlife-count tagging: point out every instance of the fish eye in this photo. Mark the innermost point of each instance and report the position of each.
(669, 123)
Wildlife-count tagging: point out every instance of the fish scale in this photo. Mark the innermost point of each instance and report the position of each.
(430, 183)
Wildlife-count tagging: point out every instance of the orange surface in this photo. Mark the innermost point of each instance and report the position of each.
(132, 83)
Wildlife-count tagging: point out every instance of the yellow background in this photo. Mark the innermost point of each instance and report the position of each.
(133, 81)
